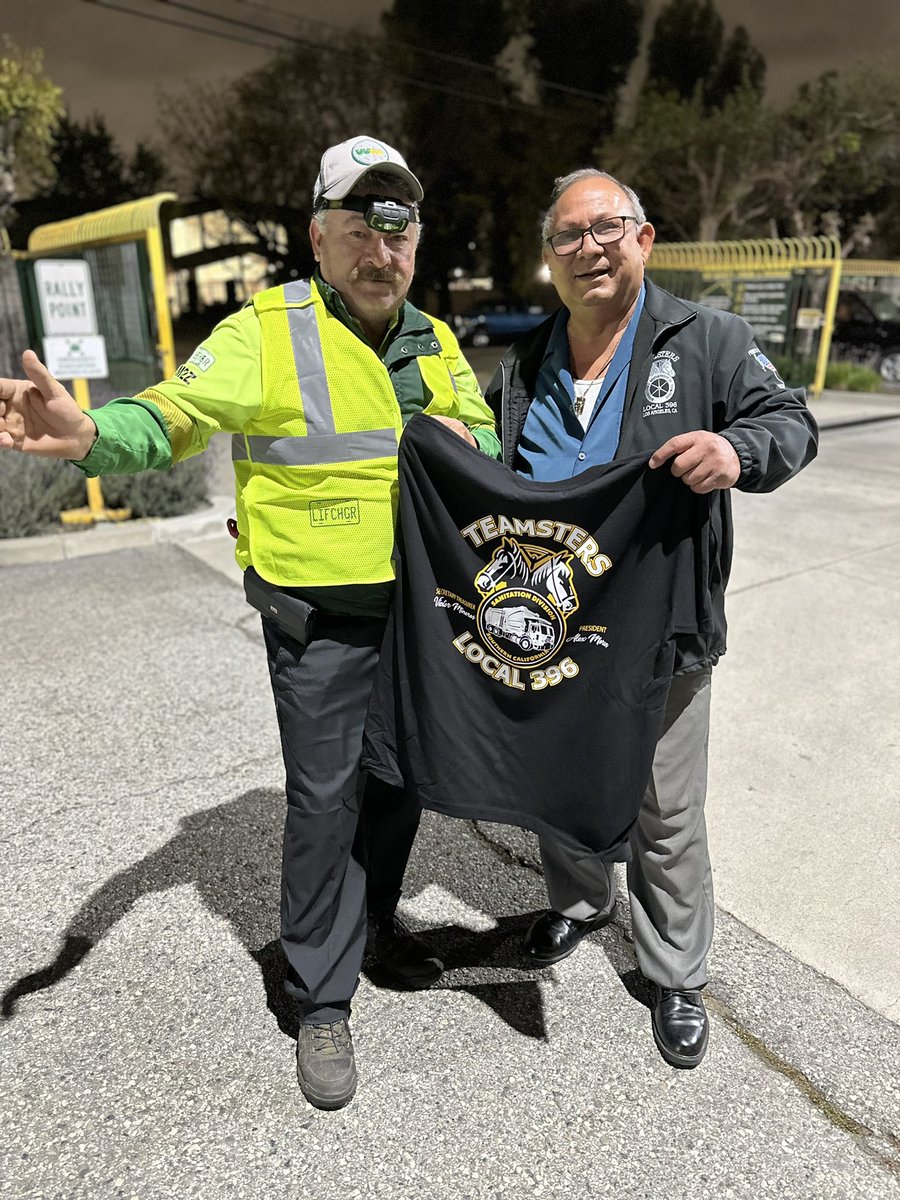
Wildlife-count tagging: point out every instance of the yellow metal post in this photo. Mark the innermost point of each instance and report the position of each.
(831, 299)
(166, 344)
(96, 509)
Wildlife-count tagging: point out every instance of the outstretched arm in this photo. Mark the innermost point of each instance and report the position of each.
(38, 416)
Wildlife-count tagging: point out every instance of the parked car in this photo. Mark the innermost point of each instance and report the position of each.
(497, 323)
(867, 330)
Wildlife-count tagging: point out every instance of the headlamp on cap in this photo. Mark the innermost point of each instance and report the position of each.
(384, 216)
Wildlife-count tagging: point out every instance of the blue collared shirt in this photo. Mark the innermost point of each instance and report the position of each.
(554, 445)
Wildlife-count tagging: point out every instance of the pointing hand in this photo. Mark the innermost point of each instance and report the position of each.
(38, 416)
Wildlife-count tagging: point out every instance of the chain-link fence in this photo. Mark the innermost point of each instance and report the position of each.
(120, 279)
(13, 329)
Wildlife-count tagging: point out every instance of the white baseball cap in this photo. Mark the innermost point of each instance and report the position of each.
(344, 165)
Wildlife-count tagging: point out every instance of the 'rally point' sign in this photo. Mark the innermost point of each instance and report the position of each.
(65, 296)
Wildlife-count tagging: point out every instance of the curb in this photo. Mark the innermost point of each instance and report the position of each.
(832, 410)
(101, 539)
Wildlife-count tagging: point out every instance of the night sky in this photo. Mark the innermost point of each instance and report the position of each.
(116, 64)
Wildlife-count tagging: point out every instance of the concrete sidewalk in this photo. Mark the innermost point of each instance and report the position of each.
(146, 1046)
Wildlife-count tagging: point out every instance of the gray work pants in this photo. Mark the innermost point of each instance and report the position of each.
(340, 826)
(669, 877)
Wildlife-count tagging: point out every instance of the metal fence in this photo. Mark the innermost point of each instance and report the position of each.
(13, 329)
(803, 300)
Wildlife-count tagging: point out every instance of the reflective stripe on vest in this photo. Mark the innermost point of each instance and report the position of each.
(309, 451)
(308, 360)
(321, 444)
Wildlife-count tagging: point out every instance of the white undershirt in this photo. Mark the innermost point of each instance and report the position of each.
(586, 393)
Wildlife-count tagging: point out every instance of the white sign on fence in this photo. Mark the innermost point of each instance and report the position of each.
(76, 357)
(65, 296)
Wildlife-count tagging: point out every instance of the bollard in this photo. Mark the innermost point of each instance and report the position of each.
(96, 510)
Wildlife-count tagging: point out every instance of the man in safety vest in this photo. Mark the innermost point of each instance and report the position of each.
(315, 380)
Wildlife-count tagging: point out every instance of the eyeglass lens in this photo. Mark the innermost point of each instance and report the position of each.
(568, 241)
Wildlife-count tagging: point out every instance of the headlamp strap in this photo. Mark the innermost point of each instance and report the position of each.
(382, 215)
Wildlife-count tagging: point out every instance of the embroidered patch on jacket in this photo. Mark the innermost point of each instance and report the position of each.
(202, 359)
(660, 390)
(766, 363)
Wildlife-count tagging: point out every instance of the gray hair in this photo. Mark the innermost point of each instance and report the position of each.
(564, 182)
(384, 183)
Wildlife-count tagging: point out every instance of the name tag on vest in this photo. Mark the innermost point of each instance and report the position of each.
(334, 512)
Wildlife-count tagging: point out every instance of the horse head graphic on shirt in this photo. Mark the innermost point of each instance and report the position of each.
(541, 570)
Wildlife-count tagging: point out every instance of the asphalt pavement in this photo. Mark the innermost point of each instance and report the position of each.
(146, 1048)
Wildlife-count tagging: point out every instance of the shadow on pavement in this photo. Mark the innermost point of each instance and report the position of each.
(231, 854)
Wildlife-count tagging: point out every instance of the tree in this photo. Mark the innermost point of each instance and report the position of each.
(839, 148)
(745, 169)
(570, 120)
(30, 107)
(688, 52)
(698, 171)
(453, 99)
(146, 173)
(253, 146)
(684, 48)
(739, 62)
(91, 172)
(492, 115)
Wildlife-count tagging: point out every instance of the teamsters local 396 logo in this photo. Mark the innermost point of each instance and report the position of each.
(527, 596)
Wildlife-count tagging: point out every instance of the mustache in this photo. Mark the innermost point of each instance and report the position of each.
(376, 274)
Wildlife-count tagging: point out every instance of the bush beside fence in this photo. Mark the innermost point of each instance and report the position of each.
(33, 492)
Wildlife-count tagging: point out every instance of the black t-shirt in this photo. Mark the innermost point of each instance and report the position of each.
(529, 655)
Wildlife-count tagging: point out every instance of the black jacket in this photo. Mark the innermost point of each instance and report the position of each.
(692, 367)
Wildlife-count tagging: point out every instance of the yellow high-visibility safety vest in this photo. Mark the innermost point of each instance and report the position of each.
(316, 470)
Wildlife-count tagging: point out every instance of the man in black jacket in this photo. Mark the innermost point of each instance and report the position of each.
(626, 368)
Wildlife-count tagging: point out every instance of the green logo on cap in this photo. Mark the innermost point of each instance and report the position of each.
(369, 153)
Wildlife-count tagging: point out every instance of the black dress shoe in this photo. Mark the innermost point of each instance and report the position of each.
(680, 1027)
(405, 958)
(553, 937)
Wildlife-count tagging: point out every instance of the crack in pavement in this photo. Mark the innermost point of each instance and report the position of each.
(501, 851)
(881, 1145)
(864, 1136)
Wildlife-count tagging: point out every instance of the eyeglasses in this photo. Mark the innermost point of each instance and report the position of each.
(569, 241)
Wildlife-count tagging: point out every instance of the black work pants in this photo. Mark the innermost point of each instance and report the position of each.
(340, 826)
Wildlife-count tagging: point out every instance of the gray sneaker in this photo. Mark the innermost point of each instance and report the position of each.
(326, 1070)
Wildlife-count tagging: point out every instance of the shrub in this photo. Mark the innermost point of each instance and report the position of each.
(842, 376)
(851, 377)
(795, 372)
(33, 492)
(160, 493)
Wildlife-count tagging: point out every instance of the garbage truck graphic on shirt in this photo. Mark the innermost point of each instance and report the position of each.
(529, 653)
